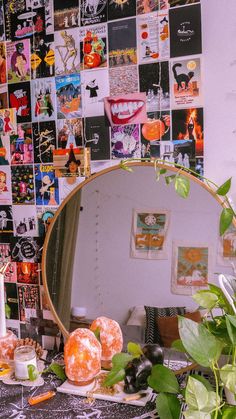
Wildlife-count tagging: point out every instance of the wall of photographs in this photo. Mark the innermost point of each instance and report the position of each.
(58, 61)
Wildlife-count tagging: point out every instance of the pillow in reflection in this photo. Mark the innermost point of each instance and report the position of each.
(168, 327)
(152, 334)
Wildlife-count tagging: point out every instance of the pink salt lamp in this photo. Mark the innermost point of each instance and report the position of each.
(110, 337)
(7, 346)
(82, 355)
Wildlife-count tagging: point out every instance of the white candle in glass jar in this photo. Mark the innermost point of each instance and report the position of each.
(23, 357)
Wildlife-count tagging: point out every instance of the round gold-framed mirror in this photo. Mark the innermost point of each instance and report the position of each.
(112, 270)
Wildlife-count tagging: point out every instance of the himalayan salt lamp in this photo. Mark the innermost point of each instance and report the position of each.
(7, 346)
(82, 355)
(110, 337)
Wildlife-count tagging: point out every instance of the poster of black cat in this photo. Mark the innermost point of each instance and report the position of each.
(186, 88)
(185, 31)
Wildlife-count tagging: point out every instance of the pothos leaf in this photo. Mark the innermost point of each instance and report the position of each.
(114, 376)
(97, 333)
(56, 369)
(224, 189)
(226, 218)
(169, 179)
(182, 186)
(32, 372)
(7, 311)
(134, 349)
(124, 166)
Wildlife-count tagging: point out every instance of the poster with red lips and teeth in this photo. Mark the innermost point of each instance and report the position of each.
(127, 109)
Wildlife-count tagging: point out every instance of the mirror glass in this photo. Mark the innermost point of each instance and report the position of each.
(102, 271)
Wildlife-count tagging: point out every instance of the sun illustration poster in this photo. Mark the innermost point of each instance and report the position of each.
(190, 268)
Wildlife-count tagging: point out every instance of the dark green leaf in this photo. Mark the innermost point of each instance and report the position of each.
(162, 379)
(178, 345)
(121, 360)
(203, 380)
(32, 372)
(232, 319)
(224, 189)
(201, 345)
(169, 179)
(7, 311)
(97, 333)
(134, 349)
(196, 394)
(226, 218)
(182, 186)
(229, 412)
(114, 376)
(168, 406)
(231, 330)
(223, 302)
(163, 171)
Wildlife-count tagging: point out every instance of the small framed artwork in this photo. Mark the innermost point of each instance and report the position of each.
(148, 236)
(190, 268)
(226, 254)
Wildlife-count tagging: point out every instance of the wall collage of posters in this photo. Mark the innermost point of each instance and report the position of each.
(86, 81)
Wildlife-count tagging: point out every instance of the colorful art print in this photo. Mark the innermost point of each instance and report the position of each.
(3, 69)
(70, 132)
(11, 299)
(119, 9)
(67, 184)
(95, 86)
(154, 81)
(228, 242)
(27, 272)
(175, 3)
(44, 136)
(93, 47)
(42, 56)
(44, 216)
(6, 220)
(93, 12)
(5, 154)
(7, 121)
(66, 14)
(125, 142)
(3, 97)
(46, 185)
(11, 8)
(190, 270)
(148, 235)
(48, 6)
(126, 109)
(22, 185)
(72, 162)
(18, 61)
(5, 185)
(22, 145)
(5, 252)
(28, 299)
(186, 83)
(67, 52)
(187, 124)
(19, 98)
(185, 31)
(26, 249)
(123, 80)
(68, 91)
(97, 137)
(10, 274)
(43, 99)
(25, 221)
(148, 42)
(147, 6)
(157, 128)
(122, 43)
(26, 24)
(2, 32)
(164, 35)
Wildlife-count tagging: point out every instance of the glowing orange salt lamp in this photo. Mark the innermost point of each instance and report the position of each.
(7, 346)
(82, 355)
(110, 337)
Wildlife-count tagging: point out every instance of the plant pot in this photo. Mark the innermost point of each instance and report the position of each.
(230, 397)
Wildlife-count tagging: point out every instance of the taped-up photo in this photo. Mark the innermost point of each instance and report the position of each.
(25, 223)
(44, 135)
(69, 131)
(6, 221)
(18, 61)
(148, 234)
(22, 145)
(72, 162)
(27, 272)
(126, 109)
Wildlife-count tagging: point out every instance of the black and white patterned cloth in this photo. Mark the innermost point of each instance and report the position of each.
(152, 334)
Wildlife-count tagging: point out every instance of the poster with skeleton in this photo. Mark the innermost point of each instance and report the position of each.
(44, 136)
(67, 52)
(93, 12)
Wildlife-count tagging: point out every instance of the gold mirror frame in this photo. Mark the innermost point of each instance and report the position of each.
(90, 179)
